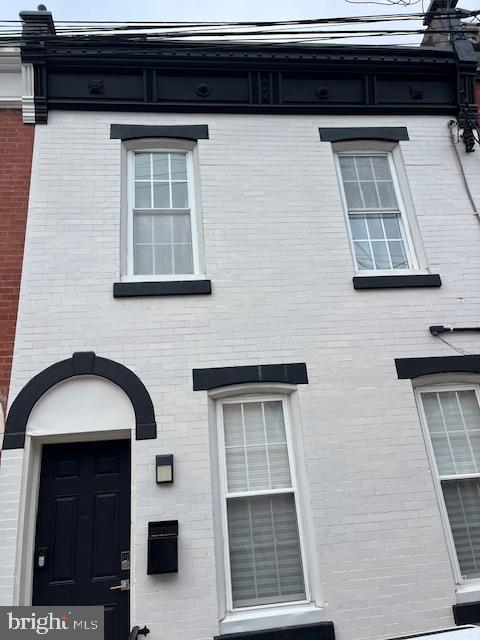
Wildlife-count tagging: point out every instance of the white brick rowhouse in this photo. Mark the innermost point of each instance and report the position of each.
(274, 242)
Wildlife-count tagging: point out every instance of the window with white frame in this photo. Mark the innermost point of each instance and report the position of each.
(452, 419)
(161, 214)
(377, 223)
(263, 535)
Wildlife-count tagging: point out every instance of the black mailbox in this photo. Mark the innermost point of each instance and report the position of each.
(162, 547)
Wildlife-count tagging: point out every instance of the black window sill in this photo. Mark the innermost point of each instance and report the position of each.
(167, 288)
(397, 282)
(318, 631)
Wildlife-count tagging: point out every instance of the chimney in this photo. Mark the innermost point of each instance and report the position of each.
(441, 15)
(37, 24)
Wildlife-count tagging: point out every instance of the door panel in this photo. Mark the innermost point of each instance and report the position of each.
(83, 526)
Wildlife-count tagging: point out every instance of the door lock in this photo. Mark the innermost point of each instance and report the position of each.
(41, 557)
(123, 586)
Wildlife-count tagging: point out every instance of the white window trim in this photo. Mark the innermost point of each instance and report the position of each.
(190, 152)
(409, 229)
(294, 489)
(436, 388)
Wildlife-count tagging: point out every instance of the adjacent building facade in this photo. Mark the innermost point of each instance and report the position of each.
(229, 416)
(16, 133)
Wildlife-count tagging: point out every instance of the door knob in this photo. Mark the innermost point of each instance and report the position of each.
(123, 586)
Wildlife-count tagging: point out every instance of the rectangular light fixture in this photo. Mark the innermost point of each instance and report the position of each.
(164, 469)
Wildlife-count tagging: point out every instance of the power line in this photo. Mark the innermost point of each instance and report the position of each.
(313, 30)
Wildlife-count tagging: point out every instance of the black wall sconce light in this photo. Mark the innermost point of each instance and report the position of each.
(164, 469)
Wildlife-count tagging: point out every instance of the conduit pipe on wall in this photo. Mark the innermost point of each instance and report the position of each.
(455, 138)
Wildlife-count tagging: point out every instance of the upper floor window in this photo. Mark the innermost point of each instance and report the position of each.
(452, 418)
(161, 225)
(379, 231)
(264, 543)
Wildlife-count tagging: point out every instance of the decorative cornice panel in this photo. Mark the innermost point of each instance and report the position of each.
(98, 74)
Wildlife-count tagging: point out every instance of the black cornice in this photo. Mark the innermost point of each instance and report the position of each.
(111, 73)
(118, 52)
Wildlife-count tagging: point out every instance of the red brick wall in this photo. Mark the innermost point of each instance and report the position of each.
(16, 144)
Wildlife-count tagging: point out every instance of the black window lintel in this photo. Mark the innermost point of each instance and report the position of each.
(206, 379)
(346, 134)
(137, 131)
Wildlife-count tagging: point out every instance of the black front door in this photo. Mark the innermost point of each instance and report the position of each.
(83, 528)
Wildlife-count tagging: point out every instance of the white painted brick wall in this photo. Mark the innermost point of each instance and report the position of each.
(278, 256)
(10, 484)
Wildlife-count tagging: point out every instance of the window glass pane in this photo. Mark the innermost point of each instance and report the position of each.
(143, 259)
(397, 254)
(358, 227)
(236, 469)
(462, 499)
(375, 227)
(232, 419)
(181, 228)
(275, 425)
(264, 445)
(463, 453)
(381, 168)
(470, 410)
(363, 255)
(179, 195)
(443, 455)
(265, 556)
(431, 405)
(392, 226)
(183, 258)
(161, 195)
(257, 468)
(163, 259)
(453, 421)
(353, 195)
(142, 228)
(143, 198)
(254, 432)
(278, 466)
(160, 166)
(162, 229)
(370, 195)
(142, 166)
(387, 195)
(380, 253)
(347, 167)
(179, 166)
(364, 168)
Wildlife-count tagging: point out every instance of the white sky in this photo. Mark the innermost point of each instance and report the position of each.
(159, 10)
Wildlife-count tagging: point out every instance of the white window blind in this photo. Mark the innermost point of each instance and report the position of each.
(162, 233)
(265, 557)
(453, 421)
(376, 225)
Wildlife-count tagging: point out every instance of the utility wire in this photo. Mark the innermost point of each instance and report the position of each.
(313, 30)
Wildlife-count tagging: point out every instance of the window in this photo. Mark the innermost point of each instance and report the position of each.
(161, 215)
(377, 223)
(452, 419)
(264, 547)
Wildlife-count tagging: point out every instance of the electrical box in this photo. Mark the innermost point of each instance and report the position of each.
(162, 547)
